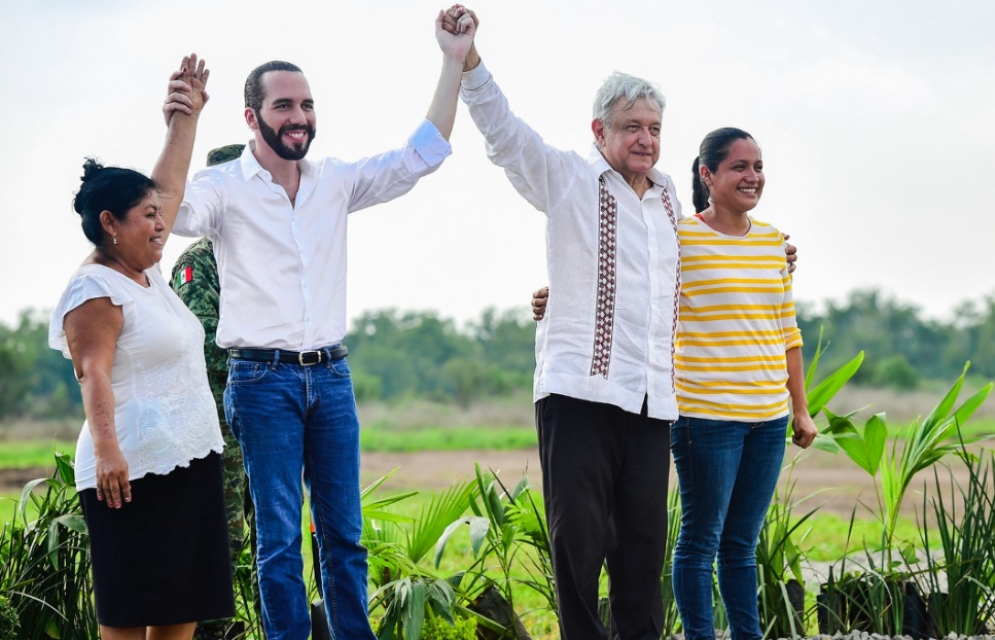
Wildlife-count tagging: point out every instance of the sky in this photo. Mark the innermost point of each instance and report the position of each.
(876, 121)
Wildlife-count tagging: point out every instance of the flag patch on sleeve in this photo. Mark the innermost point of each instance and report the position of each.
(185, 276)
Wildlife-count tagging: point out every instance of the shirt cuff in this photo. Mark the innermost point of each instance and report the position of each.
(430, 144)
(475, 78)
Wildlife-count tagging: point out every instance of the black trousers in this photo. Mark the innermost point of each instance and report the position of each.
(604, 477)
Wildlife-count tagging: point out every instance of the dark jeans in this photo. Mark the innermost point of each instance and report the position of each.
(727, 473)
(604, 480)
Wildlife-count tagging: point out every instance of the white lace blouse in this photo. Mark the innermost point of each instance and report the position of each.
(164, 412)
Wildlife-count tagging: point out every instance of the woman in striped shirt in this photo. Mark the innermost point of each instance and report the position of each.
(737, 363)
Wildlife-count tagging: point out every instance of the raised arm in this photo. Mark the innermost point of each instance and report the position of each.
(455, 41)
(184, 102)
(539, 172)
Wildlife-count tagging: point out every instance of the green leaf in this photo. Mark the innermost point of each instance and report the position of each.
(522, 485)
(26, 495)
(909, 554)
(839, 424)
(815, 361)
(441, 599)
(370, 488)
(478, 533)
(387, 516)
(413, 614)
(943, 408)
(388, 624)
(966, 410)
(72, 521)
(856, 449)
(825, 390)
(440, 545)
(64, 465)
(825, 443)
(54, 542)
(875, 436)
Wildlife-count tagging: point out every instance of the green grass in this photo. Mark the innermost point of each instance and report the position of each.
(377, 439)
(8, 504)
(827, 541)
(23, 454)
(39, 453)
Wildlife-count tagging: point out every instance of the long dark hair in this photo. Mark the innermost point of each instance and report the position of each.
(713, 150)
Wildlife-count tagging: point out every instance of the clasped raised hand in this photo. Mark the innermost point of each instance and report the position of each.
(454, 29)
(186, 92)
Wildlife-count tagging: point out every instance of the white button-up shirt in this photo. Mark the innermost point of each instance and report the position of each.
(609, 326)
(282, 266)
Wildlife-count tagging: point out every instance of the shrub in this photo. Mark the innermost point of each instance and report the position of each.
(9, 623)
(45, 563)
(438, 628)
(896, 372)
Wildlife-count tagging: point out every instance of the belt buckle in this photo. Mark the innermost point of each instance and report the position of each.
(300, 358)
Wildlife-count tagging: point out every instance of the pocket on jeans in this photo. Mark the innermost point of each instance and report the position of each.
(340, 368)
(241, 372)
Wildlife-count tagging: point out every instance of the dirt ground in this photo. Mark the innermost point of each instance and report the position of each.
(840, 480)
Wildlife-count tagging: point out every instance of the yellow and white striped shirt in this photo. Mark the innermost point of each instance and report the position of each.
(736, 321)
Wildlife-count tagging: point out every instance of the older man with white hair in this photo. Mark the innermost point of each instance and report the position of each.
(604, 381)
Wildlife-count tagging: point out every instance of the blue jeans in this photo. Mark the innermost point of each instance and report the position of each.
(727, 473)
(291, 419)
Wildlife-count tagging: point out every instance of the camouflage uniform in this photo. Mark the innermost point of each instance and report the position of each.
(195, 281)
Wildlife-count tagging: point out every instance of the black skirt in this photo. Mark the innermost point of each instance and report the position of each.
(162, 559)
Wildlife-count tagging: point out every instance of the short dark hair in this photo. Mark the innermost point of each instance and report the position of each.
(254, 94)
(713, 150)
(108, 189)
(224, 154)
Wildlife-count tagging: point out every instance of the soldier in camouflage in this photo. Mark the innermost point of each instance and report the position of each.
(195, 281)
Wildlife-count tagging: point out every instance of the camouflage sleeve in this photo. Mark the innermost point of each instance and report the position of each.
(195, 281)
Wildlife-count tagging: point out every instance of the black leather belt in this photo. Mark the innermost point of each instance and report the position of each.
(303, 358)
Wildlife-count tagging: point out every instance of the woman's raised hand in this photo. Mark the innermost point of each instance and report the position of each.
(186, 92)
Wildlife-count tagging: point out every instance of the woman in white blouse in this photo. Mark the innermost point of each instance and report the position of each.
(148, 468)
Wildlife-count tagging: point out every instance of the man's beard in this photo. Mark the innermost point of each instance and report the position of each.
(275, 141)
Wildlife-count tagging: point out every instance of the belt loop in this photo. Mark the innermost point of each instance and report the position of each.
(276, 359)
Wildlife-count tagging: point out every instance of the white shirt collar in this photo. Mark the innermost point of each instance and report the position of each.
(250, 164)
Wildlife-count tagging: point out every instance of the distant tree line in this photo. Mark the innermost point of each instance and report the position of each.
(394, 354)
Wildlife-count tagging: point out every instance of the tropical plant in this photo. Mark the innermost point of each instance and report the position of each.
(534, 534)
(671, 618)
(246, 591)
(45, 561)
(865, 598)
(502, 526)
(779, 564)
(925, 442)
(966, 556)
(406, 591)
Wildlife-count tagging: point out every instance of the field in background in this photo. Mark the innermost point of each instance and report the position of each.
(432, 444)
